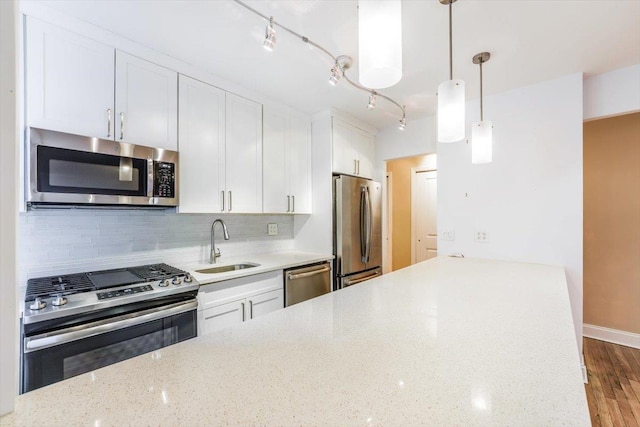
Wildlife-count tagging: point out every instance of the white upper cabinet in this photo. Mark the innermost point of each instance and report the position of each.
(80, 86)
(69, 81)
(243, 171)
(202, 146)
(146, 103)
(353, 149)
(286, 162)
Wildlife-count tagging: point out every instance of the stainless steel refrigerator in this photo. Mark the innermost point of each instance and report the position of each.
(357, 226)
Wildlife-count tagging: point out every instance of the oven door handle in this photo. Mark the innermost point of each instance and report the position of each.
(75, 333)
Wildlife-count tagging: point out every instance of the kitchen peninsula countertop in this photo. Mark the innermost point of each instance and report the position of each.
(445, 342)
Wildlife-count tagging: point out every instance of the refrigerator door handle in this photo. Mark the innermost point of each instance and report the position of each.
(365, 224)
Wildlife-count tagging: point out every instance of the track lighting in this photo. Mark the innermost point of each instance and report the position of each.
(341, 63)
(270, 37)
(372, 100)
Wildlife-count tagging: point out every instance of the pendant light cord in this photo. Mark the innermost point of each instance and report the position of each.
(317, 46)
(481, 100)
(450, 40)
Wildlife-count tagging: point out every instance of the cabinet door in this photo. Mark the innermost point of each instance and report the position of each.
(275, 184)
(259, 305)
(220, 317)
(146, 103)
(344, 155)
(201, 145)
(365, 143)
(243, 155)
(69, 81)
(299, 164)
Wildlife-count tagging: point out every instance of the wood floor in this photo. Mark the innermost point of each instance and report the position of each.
(613, 392)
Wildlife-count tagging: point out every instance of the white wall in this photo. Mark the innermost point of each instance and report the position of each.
(8, 206)
(613, 93)
(529, 199)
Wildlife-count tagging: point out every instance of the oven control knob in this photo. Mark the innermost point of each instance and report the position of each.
(188, 278)
(177, 281)
(59, 300)
(164, 283)
(38, 304)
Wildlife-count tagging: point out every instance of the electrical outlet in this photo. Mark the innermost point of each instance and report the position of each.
(448, 235)
(272, 229)
(482, 236)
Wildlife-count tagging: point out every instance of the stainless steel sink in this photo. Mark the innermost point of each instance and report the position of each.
(227, 268)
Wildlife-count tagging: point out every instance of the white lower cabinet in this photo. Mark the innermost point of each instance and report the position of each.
(234, 301)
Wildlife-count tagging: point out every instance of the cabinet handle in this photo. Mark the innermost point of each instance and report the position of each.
(108, 122)
(288, 203)
(242, 304)
(358, 163)
(222, 201)
(250, 309)
(293, 203)
(121, 125)
(230, 201)
(355, 167)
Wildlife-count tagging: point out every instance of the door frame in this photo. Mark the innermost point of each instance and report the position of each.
(414, 172)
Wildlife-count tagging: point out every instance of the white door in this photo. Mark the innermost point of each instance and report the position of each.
(220, 317)
(69, 81)
(299, 163)
(276, 196)
(264, 303)
(201, 145)
(243, 155)
(146, 103)
(425, 197)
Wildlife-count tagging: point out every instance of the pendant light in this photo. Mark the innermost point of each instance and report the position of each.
(482, 131)
(451, 102)
(380, 42)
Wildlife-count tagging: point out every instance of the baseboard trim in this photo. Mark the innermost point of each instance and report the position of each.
(614, 336)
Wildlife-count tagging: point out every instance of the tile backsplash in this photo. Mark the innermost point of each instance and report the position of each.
(65, 241)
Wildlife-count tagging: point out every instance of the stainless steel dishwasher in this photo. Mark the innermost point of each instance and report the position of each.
(306, 282)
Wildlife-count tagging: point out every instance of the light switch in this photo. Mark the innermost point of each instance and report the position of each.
(448, 235)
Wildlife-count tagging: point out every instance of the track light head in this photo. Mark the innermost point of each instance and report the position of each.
(343, 62)
(372, 100)
(270, 36)
(402, 124)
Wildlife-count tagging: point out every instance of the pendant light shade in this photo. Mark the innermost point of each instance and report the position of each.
(451, 111)
(380, 42)
(482, 142)
(482, 131)
(451, 97)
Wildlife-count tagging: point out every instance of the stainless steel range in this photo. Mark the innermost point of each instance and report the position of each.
(76, 323)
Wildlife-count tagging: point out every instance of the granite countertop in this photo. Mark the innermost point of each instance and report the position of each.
(268, 262)
(444, 342)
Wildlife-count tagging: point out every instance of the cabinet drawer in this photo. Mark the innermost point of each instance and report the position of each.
(230, 290)
(220, 317)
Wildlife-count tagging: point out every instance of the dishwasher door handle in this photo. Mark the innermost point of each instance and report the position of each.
(321, 270)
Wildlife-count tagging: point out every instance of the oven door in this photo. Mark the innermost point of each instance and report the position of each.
(58, 355)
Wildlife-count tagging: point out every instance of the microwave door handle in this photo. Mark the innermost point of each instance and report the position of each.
(150, 178)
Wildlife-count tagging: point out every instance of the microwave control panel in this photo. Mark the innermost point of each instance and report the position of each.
(164, 181)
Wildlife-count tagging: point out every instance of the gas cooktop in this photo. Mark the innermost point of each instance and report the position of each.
(65, 295)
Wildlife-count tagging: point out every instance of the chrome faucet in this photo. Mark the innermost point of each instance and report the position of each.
(215, 253)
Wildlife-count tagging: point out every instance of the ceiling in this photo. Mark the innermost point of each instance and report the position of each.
(529, 41)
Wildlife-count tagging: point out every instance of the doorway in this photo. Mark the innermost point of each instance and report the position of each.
(424, 214)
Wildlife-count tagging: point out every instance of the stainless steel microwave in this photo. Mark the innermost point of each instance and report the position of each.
(72, 170)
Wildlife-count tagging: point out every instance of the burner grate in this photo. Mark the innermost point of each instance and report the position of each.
(65, 284)
(153, 272)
